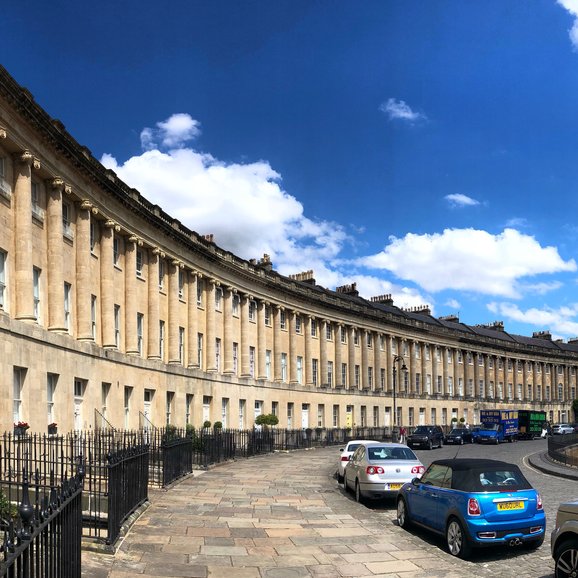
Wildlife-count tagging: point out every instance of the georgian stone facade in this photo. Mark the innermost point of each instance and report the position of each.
(111, 311)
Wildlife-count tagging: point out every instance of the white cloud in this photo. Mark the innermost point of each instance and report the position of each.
(453, 304)
(172, 133)
(561, 320)
(468, 260)
(399, 110)
(572, 7)
(243, 205)
(517, 222)
(459, 200)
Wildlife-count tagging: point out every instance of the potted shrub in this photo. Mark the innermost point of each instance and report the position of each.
(218, 425)
(266, 420)
(52, 429)
(206, 424)
(20, 428)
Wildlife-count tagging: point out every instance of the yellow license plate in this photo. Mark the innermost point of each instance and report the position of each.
(395, 486)
(506, 506)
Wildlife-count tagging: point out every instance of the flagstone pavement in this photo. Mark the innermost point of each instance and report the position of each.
(279, 516)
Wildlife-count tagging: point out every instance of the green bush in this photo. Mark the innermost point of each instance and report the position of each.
(266, 419)
(207, 424)
(218, 425)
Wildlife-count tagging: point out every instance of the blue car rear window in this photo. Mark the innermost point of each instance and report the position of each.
(490, 480)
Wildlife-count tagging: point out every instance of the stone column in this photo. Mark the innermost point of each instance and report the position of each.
(534, 379)
(434, 369)
(337, 368)
(456, 378)
(377, 361)
(56, 321)
(364, 360)
(477, 392)
(107, 283)
(308, 350)
(411, 384)
(322, 352)
(388, 363)
(245, 359)
(496, 374)
(210, 325)
(192, 319)
(525, 380)
(423, 368)
(153, 341)
(261, 341)
(83, 276)
(445, 370)
(228, 330)
(23, 269)
(487, 375)
(131, 300)
(351, 357)
(277, 343)
(292, 347)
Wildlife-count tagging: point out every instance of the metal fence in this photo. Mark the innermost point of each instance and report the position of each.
(41, 540)
(564, 449)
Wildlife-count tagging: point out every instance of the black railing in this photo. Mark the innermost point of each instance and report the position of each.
(128, 472)
(42, 540)
(564, 449)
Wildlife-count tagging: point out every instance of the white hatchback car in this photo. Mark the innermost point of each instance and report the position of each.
(346, 454)
(562, 429)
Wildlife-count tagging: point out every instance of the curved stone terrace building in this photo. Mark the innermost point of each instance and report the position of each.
(112, 311)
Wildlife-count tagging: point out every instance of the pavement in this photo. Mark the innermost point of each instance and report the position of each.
(283, 515)
(543, 462)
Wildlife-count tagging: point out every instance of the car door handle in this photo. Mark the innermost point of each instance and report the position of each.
(434, 496)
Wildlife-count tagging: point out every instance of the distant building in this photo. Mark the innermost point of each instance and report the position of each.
(113, 312)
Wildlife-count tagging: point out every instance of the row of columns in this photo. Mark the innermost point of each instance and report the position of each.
(373, 364)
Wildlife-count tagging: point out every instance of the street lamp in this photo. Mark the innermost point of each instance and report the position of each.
(397, 359)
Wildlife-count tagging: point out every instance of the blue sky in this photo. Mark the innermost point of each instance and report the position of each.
(423, 149)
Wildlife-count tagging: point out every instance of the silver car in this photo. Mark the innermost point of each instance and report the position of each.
(562, 429)
(564, 540)
(346, 454)
(378, 470)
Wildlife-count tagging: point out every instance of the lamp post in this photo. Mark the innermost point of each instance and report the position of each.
(397, 359)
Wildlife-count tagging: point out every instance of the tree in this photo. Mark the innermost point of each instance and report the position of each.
(266, 419)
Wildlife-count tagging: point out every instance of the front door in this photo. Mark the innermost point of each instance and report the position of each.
(305, 416)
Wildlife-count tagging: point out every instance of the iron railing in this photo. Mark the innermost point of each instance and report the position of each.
(564, 449)
(42, 540)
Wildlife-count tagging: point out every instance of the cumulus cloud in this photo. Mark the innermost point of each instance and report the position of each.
(572, 7)
(400, 110)
(453, 304)
(172, 133)
(243, 205)
(517, 222)
(561, 320)
(469, 260)
(459, 200)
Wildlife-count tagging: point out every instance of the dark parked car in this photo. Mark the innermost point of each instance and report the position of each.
(426, 436)
(474, 503)
(460, 436)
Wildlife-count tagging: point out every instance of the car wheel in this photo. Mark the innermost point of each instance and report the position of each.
(429, 445)
(457, 540)
(403, 520)
(358, 496)
(566, 559)
(462, 442)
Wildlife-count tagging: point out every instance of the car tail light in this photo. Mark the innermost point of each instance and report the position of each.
(374, 470)
(539, 505)
(344, 458)
(417, 470)
(474, 507)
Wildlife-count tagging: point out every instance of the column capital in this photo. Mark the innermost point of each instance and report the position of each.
(136, 240)
(57, 183)
(178, 264)
(110, 224)
(2, 132)
(85, 205)
(248, 296)
(214, 282)
(24, 157)
(232, 290)
(157, 251)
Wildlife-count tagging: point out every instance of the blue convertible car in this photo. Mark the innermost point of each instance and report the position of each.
(474, 503)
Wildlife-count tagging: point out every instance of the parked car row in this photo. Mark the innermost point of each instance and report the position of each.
(472, 503)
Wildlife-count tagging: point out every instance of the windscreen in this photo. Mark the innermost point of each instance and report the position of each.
(388, 453)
